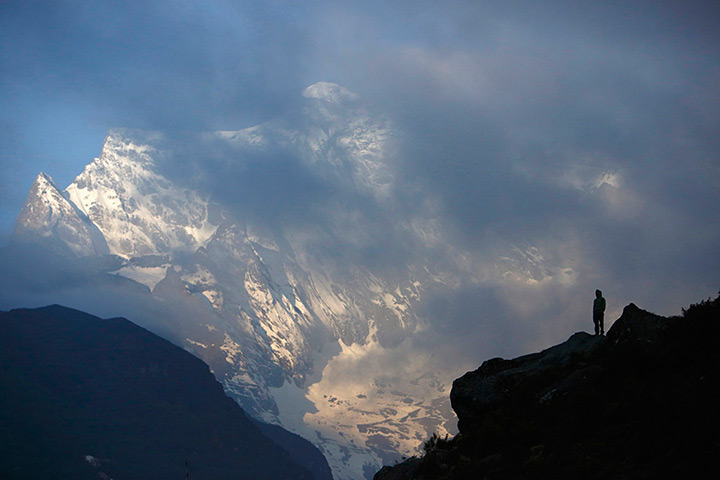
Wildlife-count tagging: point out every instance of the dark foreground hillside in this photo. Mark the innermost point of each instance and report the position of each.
(641, 403)
(86, 398)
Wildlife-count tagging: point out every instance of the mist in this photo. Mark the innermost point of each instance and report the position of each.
(586, 132)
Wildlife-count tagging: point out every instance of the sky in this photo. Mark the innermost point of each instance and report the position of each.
(588, 130)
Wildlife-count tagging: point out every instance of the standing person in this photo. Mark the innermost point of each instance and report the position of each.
(599, 313)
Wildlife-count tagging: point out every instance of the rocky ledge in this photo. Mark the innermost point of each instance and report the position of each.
(639, 403)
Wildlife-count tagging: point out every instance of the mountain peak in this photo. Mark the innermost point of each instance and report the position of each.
(330, 92)
(43, 179)
(44, 176)
(134, 135)
(49, 217)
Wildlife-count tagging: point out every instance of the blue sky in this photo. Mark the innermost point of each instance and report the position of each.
(521, 108)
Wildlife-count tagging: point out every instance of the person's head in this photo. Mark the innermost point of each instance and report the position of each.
(598, 293)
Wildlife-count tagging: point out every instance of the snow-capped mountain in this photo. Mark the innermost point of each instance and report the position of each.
(49, 217)
(298, 332)
(138, 211)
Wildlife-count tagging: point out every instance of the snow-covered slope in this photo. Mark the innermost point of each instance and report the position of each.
(138, 210)
(50, 218)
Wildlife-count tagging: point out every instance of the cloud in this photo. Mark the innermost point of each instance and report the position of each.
(587, 131)
(156, 64)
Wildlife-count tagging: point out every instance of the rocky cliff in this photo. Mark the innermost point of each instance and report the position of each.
(639, 403)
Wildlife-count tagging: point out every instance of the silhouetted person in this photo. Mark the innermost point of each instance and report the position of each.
(599, 313)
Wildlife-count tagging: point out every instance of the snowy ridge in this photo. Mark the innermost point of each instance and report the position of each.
(329, 92)
(138, 210)
(49, 217)
(336, 139)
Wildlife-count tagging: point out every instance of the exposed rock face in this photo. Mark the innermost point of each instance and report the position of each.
(641, 403)
(87, 398)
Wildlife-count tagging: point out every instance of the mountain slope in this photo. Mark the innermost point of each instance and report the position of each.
(89, 398)
(641, 403)
(267, 283)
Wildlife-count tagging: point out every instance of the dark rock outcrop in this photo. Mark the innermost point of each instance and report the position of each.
(86, 398)
(639, 403)
(536, 377)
